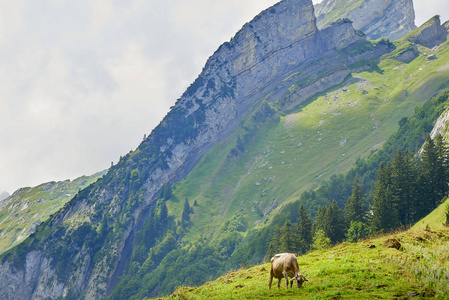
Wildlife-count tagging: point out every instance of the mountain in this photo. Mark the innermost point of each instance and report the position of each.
(275, 110)
(390, 19)
(25, 209)
(4, 195)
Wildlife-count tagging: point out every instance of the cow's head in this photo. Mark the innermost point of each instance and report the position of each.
(299, 278)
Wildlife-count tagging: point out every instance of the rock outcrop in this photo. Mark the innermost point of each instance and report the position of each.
(430, 34)
(279, 47)
(376, 18)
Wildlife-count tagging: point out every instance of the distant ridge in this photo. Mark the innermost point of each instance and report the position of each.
(4, 195)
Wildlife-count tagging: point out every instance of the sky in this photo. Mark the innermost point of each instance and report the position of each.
(82, 81)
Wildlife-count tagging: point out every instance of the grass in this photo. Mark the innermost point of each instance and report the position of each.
(364, 270)
(434, 220)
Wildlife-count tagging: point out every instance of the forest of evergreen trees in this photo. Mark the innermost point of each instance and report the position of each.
(405, 190)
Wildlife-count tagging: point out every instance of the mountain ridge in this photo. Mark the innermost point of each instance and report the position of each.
(206, 114)
(164, 155)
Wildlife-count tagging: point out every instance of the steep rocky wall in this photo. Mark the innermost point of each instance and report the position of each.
(376, 18)
(430, 34)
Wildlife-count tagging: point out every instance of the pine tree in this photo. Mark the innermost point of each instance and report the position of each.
(274, 246)
(163, 213)
(304, 230)
(187, 210)
(288, 241)
(335, 227)
(404, 181)
(320, 219)
(442, 167)
(430, 173)
(385, 215)
(355, 210)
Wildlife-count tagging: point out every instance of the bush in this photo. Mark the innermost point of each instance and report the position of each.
(357, 231)
(320, 240)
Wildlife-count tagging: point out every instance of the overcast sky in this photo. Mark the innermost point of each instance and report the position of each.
(82, 81)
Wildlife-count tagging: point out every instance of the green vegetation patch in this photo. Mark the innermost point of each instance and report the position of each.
(366, 270)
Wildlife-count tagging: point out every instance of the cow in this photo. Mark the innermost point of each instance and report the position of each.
(285, 265)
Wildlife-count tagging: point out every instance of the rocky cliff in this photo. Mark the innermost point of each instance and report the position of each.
(376, 18)
(82, 249)
(430, 34)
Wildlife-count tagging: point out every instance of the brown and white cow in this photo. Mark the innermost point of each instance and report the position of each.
(285, 265)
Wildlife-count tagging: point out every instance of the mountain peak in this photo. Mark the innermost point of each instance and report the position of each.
(429, 34)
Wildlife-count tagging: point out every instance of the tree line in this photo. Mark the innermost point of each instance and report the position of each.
(405, 190)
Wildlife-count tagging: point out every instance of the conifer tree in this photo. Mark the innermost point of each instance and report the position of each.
(320, 219)
(274, 246)
(385, 215)
(288, 241)
(304, 230)
(335, 227)
(404, 181)
(442, 166)
(355, 210)
(163, 213)
(185, 217)
(430, 173)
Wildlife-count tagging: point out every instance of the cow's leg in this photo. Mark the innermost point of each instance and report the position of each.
(271, 280)
(279, 283)
(286, 279)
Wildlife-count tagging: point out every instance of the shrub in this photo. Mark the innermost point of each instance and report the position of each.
(320, 240)
(357, 230)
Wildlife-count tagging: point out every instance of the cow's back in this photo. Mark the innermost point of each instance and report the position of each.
(284, 262)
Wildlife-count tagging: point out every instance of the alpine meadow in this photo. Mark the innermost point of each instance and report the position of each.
(316, 130)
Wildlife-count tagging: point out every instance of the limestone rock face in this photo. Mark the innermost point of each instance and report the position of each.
(376, 18)
(430, 34)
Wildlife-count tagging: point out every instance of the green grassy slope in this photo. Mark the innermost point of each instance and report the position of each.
(284, 157)
(434, 220)
(368, 269)
(23, 211)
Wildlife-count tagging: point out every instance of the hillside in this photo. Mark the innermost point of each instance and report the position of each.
(368, 269)
(289, 155)
(276, 110)
(23, 211)
(435, 220)
(247, 182)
